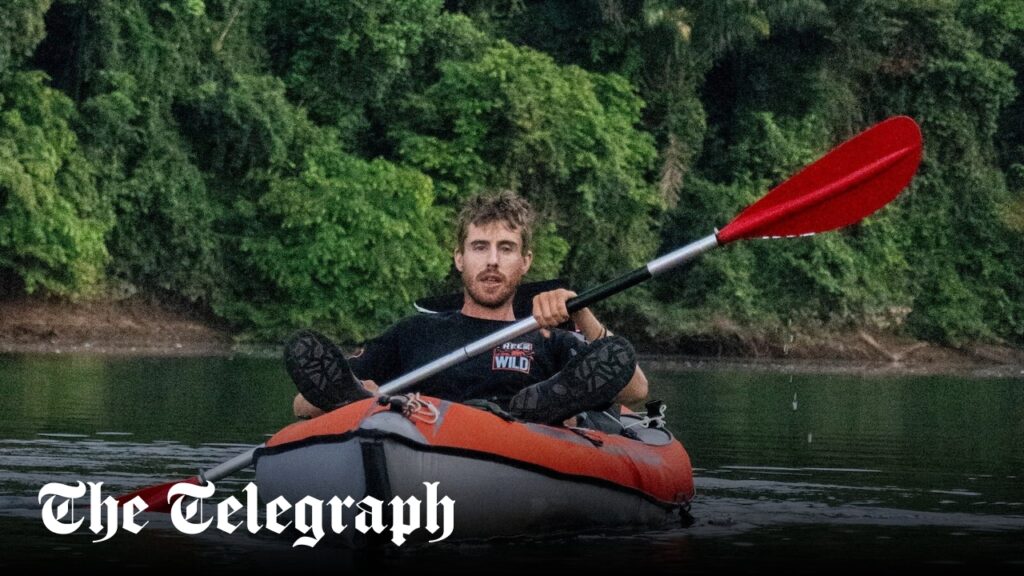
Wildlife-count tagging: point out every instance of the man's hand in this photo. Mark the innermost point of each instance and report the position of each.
(549, 310)
(549, 307)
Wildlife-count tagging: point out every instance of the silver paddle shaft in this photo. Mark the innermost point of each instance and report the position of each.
(653, 268)
(225, 469)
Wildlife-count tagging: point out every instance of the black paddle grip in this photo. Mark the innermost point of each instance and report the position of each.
(598, 293)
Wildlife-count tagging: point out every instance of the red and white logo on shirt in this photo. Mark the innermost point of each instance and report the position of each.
(513, 357)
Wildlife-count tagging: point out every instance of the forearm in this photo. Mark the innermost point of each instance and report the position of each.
(589, 325)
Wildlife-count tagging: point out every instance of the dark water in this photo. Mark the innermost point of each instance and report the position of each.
(794, 473)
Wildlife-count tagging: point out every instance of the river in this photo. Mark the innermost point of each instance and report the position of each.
(802, 473)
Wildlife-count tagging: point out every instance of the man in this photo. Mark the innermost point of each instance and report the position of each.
(546, 376)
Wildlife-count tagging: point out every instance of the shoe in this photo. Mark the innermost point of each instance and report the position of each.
(320, 371)
(589, 381)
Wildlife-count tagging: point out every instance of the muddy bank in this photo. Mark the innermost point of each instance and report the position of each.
(139, 327)
(40, 325)
(857, 351)
(951, 367)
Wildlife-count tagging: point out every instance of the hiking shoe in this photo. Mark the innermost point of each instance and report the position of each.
(320, 371)
(589, 381)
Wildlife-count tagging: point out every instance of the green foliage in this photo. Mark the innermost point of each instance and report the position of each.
(957, 93)
(21, 28)
(52, 221)
(133, 70)
(565, 138)
(345, 245)
(243, 125)
(648, 43)
(195, 8)
(164, 239)
(342, 58)
(995, 21)
(847, 277)
(783, 100)
(297, 163)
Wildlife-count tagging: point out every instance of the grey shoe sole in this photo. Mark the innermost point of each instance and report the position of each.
(320, 371)
(591, 380)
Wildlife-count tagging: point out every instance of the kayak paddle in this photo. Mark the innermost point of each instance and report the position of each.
(849, 183)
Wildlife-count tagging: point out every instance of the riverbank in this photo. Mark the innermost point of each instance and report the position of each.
(133, 326)
(139, 327)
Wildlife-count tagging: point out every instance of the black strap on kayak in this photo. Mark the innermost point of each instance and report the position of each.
(488, 406)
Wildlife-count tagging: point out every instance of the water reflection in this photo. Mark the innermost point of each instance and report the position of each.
(784, 463)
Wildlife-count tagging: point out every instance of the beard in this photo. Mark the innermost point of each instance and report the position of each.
(490, 289)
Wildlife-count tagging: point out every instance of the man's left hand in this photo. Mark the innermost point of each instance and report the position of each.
(549, 307)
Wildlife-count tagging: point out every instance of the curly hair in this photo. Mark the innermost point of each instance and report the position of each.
(503, 206)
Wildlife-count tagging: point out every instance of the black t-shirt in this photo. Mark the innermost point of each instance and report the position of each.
(496, 376)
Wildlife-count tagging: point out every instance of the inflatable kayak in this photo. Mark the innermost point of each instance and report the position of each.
(506, 478)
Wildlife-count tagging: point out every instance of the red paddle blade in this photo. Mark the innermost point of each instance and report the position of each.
(850, 182)
(155, 497)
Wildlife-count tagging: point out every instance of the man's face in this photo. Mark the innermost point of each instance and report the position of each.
(492, 263)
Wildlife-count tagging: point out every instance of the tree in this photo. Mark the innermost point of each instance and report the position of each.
(344, 245)
(566, 138)
(52, 220)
